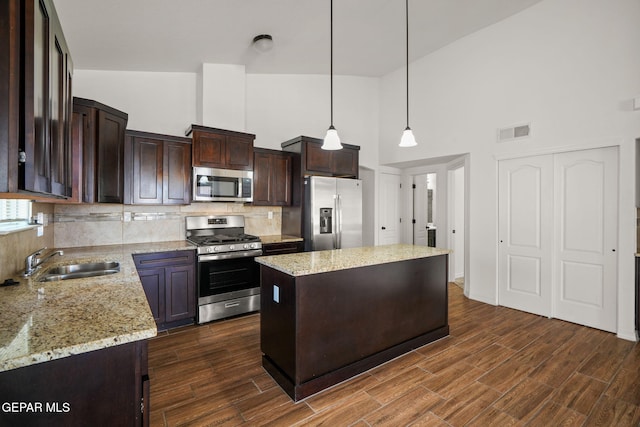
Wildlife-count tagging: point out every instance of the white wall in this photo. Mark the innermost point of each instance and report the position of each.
(282, 107)
(156, 102)
(276, 107)
(570, 67)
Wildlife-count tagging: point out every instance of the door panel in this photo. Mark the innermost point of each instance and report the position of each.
(525, 210)
(350, 205)
(586, 214)
(389, 231)
(420, 210)
(558, 236)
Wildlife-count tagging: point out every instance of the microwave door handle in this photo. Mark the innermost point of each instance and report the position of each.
(239, 192)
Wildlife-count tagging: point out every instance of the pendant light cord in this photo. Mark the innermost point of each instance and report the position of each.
(407, 28)
(331, 61)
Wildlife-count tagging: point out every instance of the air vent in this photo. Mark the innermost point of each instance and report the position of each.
(515, 132)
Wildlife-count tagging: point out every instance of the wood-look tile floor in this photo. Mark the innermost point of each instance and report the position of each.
(498, 367)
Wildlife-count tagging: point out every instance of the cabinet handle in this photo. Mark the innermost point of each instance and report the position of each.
(384, 228)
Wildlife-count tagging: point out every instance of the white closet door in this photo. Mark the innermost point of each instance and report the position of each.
(525, 233)
(586, 220)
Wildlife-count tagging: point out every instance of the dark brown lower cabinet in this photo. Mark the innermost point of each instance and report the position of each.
(169, 281)
(281, 248)
(103, 387)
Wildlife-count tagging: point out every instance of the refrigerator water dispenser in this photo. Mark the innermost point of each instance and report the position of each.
(326, 216)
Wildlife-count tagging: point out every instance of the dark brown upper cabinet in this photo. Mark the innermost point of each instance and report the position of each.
(316, 161)
(102, 133)
(219, 148)
(36, 72)
(157, 169)
(271, 177)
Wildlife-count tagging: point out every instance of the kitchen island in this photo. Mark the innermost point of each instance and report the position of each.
(75, 351)
(329, 315)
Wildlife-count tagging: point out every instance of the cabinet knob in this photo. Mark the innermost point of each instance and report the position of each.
(384, 228)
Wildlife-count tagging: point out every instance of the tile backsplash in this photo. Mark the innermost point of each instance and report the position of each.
(110, 224)
(113, 224)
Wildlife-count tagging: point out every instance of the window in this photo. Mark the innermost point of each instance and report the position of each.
(15, 210)
(14, 215)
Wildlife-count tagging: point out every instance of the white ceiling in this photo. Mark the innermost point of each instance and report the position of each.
(180, 35)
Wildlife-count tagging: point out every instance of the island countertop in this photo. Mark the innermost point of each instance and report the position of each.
(42, 321)
(305, 263)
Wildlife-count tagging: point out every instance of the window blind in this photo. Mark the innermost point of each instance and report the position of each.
(11, 210)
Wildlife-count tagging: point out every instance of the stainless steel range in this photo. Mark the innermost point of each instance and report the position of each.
(228, 276)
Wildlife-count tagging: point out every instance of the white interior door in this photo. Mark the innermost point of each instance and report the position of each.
(420, 195)
(558, 236)
(389, 227)
(586, 220)
(525, 211)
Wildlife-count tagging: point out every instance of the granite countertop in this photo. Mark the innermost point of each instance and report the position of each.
(304, 263)
(42, 321)
(279, 238)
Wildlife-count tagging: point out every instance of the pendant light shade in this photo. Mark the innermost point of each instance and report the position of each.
(331, 139)
(407, 140)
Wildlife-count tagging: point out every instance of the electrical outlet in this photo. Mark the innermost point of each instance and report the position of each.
(270, 215)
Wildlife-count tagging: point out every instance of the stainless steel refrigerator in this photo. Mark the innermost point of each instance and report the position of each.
(333, 213)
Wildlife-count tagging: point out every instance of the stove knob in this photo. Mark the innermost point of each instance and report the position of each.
(246, 246)
(231, 247)
(216, 248)
(209, 249)
(253, 246)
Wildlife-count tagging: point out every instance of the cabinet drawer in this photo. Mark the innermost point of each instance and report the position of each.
(164, 259)
(282, 248)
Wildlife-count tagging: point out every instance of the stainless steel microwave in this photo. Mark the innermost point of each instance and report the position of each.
(222, 185)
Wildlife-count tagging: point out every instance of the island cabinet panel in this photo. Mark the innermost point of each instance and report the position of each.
(169, 282)
(320, 329)
(107, 387)
(220, 148)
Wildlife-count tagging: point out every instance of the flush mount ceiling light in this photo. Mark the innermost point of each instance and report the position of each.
(331, 139)
(263, 42)
(407, 140)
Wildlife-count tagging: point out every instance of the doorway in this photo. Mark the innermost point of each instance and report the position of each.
(425, 212)
(456, 229)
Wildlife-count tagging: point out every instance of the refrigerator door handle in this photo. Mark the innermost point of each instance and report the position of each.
(336, 222)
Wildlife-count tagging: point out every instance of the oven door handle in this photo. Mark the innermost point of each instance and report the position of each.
(230, 255)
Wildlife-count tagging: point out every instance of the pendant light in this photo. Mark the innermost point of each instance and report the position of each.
(407, 140)
(331, 139)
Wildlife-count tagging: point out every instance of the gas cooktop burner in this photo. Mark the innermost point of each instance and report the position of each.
(223, 239)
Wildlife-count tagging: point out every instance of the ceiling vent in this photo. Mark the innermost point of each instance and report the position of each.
(515, 132)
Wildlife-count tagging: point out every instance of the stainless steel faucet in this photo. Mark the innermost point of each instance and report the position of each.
(32, 262)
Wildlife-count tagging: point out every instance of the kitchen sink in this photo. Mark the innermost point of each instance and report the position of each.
(77, 271)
